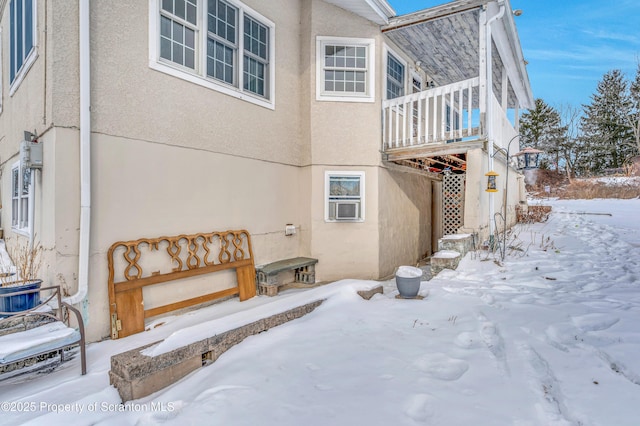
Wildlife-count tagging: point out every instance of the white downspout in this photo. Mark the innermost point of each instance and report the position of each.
(85, 153)
(489, 117)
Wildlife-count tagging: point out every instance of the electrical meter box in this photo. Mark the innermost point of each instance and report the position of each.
(31, 155)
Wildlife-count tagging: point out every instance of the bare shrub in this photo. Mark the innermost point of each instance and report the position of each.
(589, 189)
(27, 259)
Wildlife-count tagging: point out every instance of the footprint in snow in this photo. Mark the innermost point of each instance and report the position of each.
(440, 366)
(468, 340)
(594, 322)
(419, 407)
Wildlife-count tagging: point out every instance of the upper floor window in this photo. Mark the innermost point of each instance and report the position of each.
(345, 69)
(220, 44)
(395, 77)
(22, 38)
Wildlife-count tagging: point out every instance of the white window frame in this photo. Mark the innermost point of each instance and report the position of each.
(1, 91)
(328, 201)
(370, 93)
(389, 51)
(21, 203)
(199, 75)
(29, 57)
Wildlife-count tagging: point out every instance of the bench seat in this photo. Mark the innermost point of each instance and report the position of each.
(267, 275)
(43, 329)
(36, 341)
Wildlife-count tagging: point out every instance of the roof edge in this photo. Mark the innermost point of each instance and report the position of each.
(431, 13)
(382, 8)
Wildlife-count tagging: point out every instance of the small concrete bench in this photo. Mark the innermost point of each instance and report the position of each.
(267, 275)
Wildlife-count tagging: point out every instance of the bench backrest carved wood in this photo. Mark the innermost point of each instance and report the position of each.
(131, 268)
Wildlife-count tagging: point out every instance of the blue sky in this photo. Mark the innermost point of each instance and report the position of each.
(569, 44)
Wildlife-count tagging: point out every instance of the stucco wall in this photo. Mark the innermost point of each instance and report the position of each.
(344, 136)
(145, 189)
(404, 219)
(477, 220)
(346, 249)
(344, 132)
(132, 100)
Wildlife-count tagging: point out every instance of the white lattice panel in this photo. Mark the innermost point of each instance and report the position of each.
(452, 203)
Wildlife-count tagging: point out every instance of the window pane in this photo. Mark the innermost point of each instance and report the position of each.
(344, 186)
(189, 58)
(28, 26)
(19, 38)
(395, 78)
(178, 33)
(15, 182)
(255, 37)
(222, 59)
(180, 10)
(222, 20)
(165, 27)
(12, 40)
(189, 38)
(349, 63)
(178, 53)
(254, 76)
(165, 48)
(167, 5)
(26, 181)
(192, 12)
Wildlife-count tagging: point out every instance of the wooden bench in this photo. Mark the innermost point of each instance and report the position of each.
(184, 256)
(41, 330)
(267, 275)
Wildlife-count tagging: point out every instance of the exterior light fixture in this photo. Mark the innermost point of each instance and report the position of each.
(491, 181)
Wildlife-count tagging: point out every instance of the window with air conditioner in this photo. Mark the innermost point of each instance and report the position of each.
(344, 196)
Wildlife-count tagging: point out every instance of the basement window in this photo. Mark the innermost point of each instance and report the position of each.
(344, 195)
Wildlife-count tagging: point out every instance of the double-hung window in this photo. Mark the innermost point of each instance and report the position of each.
(178, 29)
(344, 194)
(20, 197)
(344, 69)
(395, 77)
(220, 44)
(21, 38)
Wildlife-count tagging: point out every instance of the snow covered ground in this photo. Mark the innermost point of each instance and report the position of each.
(550, 337)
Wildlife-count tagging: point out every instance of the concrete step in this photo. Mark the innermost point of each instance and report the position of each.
(462, 243)
(444, 259)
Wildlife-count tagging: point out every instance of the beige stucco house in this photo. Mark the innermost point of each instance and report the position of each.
(370, 133)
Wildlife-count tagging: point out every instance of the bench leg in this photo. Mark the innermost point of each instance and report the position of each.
(268, 290)
(306, 274)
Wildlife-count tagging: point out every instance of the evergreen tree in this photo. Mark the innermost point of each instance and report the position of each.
(634, 117)
(605, 123)
(541, 129)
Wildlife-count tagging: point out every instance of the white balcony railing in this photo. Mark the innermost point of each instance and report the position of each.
(440, 115)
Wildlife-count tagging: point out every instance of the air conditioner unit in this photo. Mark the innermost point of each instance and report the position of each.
(347, 210)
